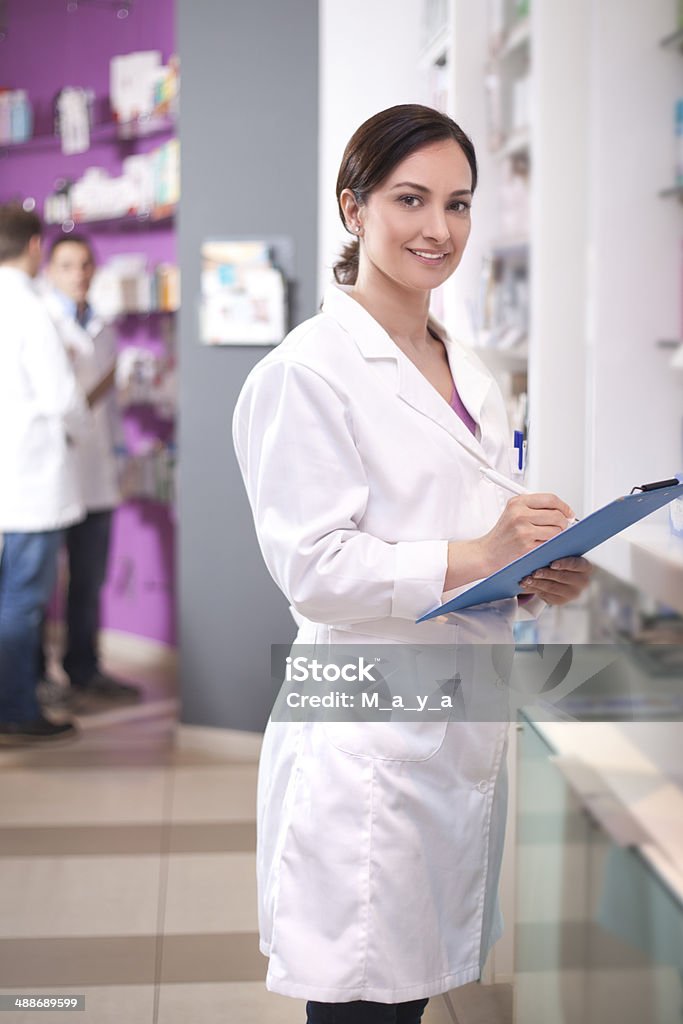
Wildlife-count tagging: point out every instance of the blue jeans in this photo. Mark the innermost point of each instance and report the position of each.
(87, 544)
(361, 1012)
(28, 567)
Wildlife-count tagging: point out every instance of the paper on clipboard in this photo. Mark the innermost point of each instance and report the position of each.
(583, 536)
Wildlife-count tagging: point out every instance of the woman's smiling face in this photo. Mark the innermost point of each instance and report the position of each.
(415, 225)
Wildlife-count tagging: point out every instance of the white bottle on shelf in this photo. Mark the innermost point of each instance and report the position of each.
(5, 119)
(21, 116)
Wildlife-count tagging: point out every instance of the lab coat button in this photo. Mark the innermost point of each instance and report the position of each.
(483, 786)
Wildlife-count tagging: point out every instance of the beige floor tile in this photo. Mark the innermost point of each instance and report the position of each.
(87, 840)
(141, 741)
(211, 893)
(437, 1012)
(95, 961)
(196, 744)
(235, 1003)
(195, 959)
(483, 1004)
(212, 837)
(116, 840)
(215, 793)
(68, 796)
(133, 1004)
(78, 896)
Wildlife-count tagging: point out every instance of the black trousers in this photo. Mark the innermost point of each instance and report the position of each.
(87, 545)
(362, 1012)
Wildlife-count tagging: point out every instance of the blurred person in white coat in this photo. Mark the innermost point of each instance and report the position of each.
(91, 345)
(360, 440)
(43, 415)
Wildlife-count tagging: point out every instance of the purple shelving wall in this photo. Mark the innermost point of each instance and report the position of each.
(46, 48)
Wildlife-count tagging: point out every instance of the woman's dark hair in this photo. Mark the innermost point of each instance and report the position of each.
(17, 227)
(379, 145)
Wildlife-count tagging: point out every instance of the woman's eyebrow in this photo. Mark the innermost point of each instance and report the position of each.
(422, 188)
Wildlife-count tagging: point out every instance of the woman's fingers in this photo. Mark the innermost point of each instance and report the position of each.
(575, 563)
(559, 585)
(548, 501)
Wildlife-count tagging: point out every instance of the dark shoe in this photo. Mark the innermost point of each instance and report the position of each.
(105, 687)
(52, 694)
(40, 730)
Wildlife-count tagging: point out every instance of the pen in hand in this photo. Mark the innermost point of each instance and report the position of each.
(510, 485)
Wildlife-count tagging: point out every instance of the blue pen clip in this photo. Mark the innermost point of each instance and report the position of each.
(519, 445)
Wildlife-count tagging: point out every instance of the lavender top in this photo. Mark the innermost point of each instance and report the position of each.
(458, 407)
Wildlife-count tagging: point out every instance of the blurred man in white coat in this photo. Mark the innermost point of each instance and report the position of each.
(91, 345)
(42, 416)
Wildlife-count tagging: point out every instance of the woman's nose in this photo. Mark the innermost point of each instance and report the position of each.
(435, 227)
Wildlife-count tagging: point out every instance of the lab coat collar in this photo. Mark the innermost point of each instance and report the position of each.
(368, 334)
(15, 276)
(374, 343)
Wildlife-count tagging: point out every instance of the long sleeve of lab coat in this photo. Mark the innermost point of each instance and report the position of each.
(52, 381)
(308, 489)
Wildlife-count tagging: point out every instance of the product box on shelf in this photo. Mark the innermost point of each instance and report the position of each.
(131, 84)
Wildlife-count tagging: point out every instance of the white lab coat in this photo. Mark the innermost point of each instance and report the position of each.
(92, 350)
(379, 844)
(43, 415)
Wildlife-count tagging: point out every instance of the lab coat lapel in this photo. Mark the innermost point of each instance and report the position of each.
(412, 387)
(416, 390)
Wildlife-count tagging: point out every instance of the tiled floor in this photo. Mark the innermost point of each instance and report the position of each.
(127, 872)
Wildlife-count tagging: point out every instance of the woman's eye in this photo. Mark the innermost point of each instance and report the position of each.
(460, 207)
(409, 201)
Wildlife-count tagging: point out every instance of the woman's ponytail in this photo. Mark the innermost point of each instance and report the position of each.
(346, 268)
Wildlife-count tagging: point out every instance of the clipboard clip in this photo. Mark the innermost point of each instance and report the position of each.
(673, 482)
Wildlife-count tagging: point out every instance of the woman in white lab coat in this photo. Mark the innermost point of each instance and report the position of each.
(360, 439)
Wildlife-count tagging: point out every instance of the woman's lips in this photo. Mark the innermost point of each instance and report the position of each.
(429, 259)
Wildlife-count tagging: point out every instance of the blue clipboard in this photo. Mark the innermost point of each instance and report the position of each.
(597, 527)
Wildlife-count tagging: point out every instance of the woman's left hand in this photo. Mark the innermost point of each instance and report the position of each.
(559, 582)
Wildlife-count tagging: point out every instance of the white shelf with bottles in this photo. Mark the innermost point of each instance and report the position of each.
(485, 304)
(601, 285)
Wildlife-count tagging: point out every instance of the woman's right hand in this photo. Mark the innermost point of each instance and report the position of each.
(527, 521)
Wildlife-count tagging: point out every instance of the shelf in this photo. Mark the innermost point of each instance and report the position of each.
(161, 217)
(657, 562)
(673, 41)
(512, 249)
(107, 132)
(436, 51)
(514, 358)
(674, 346)
(519, 35)
(674, 191)
(518, 144)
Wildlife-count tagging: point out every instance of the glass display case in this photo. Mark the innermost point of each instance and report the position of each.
(598, 934)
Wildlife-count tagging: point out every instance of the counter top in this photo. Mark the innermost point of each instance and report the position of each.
(638, 801)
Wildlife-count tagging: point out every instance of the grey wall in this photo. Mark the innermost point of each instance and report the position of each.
(249, 157)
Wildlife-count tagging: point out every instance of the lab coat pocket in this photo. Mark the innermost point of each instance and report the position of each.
(404, 714)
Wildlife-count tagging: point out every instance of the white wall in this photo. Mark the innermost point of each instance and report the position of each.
(368, 61)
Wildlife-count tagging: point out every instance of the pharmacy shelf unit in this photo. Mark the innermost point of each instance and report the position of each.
(603, 249)
(109, 132)
(48, 47)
